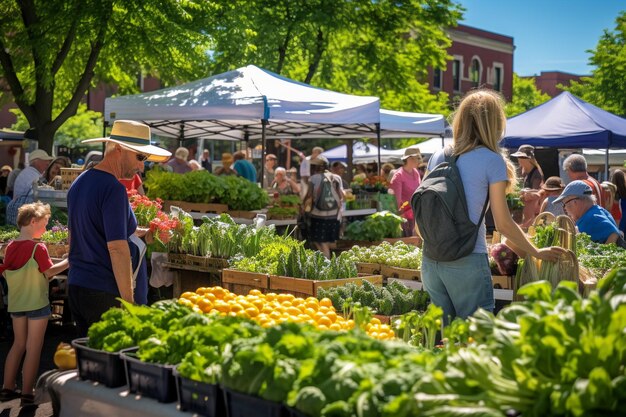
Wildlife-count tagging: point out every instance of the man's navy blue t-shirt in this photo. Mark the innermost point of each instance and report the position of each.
(98, 212)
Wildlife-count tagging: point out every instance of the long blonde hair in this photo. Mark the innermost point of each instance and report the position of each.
(480, 121)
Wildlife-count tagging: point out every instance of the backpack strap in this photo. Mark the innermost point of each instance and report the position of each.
(451, 159)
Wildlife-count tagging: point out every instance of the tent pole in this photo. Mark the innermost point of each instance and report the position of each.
(379, 145)
(606, 165)
(263, 124)
(181, 136)
(349, 158)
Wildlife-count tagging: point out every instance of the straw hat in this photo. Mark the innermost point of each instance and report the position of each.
(39, 154)
(553, 184)
(136, 137)
(525, 152)
(409, 152)
(6, 168)
(227, 159)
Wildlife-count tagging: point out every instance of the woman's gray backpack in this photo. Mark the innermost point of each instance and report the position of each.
(440, 211)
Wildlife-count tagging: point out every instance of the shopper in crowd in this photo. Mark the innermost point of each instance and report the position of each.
(23, 192)
(268, 171)
(324, 205)
(179, 163)
(575, 166)
(611, 204)
(580, 204)
(387, 171)
(360, 172)
(530, 194)
(5, 171)
(403, 184)
(227, 165)
(54, 169)
(27, 268)
(478, 126)
(371, 170)
(619, 179)
(244, 167)
(422, 169)
(205, 161)
(12, 177)
(105, 253)
(305, 161)
(552, 188)
(339, 168)
(283, 184)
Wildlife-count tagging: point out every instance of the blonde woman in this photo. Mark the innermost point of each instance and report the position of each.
(460, 287)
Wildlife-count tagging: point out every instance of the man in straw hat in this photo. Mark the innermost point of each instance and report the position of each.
(403, 184)
(102, 224)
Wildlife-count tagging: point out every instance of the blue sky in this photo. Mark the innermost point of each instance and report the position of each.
(549, 35)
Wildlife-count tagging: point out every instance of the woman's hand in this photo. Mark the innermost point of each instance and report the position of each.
(552, 253)
(141, 231)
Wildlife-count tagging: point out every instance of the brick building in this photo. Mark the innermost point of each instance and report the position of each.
(479, 58)
(547, 81)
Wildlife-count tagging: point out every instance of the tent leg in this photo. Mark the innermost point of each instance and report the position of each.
(379, 145)
(263, 124)
(606, 165)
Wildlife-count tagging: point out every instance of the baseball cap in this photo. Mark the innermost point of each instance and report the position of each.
(576, 188)
(39, 154)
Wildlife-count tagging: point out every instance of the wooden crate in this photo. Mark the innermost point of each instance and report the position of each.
(242, 214)
(502, 282)
(186, 278)
(410, 240)
(401, 273)
(200, 261)
(301, 287)
(68, 175)
(368, 268)
(195, 207)
(240, 282)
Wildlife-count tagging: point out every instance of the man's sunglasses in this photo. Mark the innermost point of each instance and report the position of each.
(141, 157)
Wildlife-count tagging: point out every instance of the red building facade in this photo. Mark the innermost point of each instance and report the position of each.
(547, 81)
(479, 59)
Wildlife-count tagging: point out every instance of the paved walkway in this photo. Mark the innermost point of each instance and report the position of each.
(55, 334)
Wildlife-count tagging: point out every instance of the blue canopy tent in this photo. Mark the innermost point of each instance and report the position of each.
(566, 122)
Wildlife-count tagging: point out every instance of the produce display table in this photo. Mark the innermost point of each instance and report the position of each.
(359, 212)
(498, 294)
(240, 220)
(192, 277)
(72, 397)
(56, 198)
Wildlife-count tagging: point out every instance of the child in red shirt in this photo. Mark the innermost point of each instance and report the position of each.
(27, 268)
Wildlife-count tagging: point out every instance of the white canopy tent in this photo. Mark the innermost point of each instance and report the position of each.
(397, 124)
(364, 152)
(247, 103)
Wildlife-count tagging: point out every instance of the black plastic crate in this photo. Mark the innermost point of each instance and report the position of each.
(199, 397)
(296, 413)
(152, 380)
(244, 405)
(97, 365)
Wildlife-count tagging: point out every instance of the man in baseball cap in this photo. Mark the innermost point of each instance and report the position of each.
(580, 205)
(38, 161)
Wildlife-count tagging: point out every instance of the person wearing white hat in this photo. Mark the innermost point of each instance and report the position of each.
(38, 161)
(102, 225)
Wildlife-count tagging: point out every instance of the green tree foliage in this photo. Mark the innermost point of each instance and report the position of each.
(51, 51)
(606, 88)
(381, 48)
(525, 96)
(85, 124)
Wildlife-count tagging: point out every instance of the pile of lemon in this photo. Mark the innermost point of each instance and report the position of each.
(270, 309)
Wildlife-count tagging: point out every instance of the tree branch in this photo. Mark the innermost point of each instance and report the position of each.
(14, 83)
(65, 48)
(85, 78)
(319, 50)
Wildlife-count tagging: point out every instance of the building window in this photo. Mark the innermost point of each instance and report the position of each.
(475, 72)
(497, 78)
(456, 75)
(437, 78)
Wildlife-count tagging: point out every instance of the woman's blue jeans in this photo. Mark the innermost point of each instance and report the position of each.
(459, 287)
